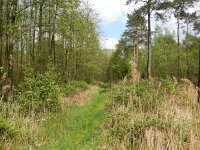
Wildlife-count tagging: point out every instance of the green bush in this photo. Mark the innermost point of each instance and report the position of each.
(39, 94)
(6, 131)
(141, 124)
(120, 93)
(144, 95)
(169, 85)
(73, 86)
(144, 88)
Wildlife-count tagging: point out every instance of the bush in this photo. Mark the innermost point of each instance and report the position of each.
(73, 87)
(39, 94)
(6, 131)
(144, 88)
(169, 85)
(142, 124)
(144, 95)
(120, 93)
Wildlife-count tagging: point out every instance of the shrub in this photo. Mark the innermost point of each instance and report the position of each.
(39, 94)
(145, 95)
(120, 93)
(142, 124)
(6, 131)
(73, 87)
(144, 88)
(169, 85)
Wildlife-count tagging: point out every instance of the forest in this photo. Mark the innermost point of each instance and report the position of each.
(60, 89)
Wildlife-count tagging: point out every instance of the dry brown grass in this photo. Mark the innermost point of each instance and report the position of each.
(136, 76)
(179, 128)
(81, 97)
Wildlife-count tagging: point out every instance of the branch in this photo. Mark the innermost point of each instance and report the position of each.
(31, 5)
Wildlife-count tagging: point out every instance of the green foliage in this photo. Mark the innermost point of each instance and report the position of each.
(164, 54)
(39, 94)
(120, 93)
(144, 88)
(145, 95)
(169, 84)
(119, 66)
(74, 86)
(140, 125)
(76, 127)
(7, 132)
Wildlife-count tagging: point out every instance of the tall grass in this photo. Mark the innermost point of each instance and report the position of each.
(152, 115)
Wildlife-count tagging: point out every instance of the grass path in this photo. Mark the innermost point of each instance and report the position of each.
(77, 127)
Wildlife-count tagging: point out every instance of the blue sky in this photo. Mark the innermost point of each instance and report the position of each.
(113, 16)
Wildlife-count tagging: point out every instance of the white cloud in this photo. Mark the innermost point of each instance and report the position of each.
(111, 10)
(116, 11)
(109, 43)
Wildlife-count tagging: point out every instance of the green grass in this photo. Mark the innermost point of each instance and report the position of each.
(77, 127)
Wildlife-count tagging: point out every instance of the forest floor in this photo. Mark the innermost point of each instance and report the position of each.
(79, 124)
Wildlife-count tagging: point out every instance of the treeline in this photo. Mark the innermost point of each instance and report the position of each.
(34, 33)
(159, 53)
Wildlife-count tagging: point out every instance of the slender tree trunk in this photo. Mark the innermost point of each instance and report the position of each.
(7, 33)
(198, 98)
(12, 18)
(30, 35)
(49, 39)
(1, 43)
(1, 35)
(40, 28)
(22, 54)
(187, 51)
(179, 48)
(149, 44)
(133, 51)
(53, 48)
(33, 39)
(137, 53)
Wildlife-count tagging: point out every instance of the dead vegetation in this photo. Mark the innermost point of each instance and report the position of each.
(135, 74)
(80, 97)
(147, 115)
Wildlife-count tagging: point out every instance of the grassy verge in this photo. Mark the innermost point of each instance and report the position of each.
(77, 127)
(152, 115)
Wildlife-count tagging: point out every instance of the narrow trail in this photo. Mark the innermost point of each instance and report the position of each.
(78, 126)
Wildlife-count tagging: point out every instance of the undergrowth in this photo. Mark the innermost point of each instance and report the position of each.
(35, 99)
(152, 115)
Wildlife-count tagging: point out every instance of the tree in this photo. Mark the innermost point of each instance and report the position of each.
(197, 29)
(136, 31)
(11, 11)
(189, 19)
(179, 8)
(148, 8)
(1, 42)
(163, 54)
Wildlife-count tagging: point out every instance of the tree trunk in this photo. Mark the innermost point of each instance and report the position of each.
(40, 28)
(187, 51)
(149, 44)
(49, 32)
(33, 39)
(10, 37)
(1, 35)
(198, 98)
(1, 43)
(53, 48)
(21, 56)
(179, 48)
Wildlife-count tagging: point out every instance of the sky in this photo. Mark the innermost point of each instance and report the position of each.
(113, 16)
